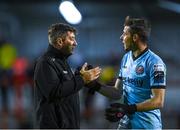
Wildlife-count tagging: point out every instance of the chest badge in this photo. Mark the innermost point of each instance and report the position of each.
(65, 72)
(139, 69)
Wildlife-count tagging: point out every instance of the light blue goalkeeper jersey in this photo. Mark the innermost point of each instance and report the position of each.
(139, 76)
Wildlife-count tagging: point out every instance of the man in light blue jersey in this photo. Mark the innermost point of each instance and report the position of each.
(142, 79)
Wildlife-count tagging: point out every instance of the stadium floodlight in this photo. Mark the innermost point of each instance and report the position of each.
(70, 12)
(169, 5)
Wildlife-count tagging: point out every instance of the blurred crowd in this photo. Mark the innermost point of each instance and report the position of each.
(16, 88)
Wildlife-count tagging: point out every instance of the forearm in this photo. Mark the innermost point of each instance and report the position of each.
(157, 101)
(114, 92)
(110, 92)
(149, 104)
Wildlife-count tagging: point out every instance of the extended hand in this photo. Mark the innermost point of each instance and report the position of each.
(89, 75)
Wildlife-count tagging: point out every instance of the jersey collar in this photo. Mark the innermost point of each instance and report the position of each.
(144, 51)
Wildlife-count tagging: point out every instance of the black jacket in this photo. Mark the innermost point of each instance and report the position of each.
(56, 92)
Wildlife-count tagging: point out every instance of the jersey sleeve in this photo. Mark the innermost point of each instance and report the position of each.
(120, 70)
(122, 64)
(157, 74)
(120, 74)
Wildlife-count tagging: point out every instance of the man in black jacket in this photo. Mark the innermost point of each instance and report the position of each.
(56, 86)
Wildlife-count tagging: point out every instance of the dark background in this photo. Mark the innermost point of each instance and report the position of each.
(24, 24)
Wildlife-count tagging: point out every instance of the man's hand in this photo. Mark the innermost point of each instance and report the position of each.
(117, 111)
(89, 75)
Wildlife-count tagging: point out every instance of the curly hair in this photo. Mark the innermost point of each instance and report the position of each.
(59, 30)
(139, 26)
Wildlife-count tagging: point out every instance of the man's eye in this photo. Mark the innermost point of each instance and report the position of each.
(72, 39)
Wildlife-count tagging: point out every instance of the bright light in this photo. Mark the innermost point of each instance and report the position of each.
(70, 12)
(170, 5)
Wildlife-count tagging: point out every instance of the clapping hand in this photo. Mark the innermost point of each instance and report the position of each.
(89, 75)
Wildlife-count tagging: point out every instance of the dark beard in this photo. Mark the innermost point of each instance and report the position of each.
(131, 48)
(65, 52)
(127, 49)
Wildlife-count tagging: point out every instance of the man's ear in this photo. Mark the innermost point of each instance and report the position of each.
(59, 42)
(135, 37)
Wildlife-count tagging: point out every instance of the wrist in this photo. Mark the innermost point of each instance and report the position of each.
(77, 70)
(97, 86)
(94, 86)
(131, 109)
(82, 74)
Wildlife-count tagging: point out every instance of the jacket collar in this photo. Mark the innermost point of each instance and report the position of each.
(55, 52)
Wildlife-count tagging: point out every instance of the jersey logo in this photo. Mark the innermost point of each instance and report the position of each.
(125, 67)
(135, 81)
(65, 72)
(139, 69)
(158, 67)
(158, 77)
(53, 59)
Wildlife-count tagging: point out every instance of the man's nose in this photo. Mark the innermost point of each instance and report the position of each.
(75, 43)
(121, 37)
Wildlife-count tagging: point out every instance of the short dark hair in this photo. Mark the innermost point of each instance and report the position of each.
(139, 26)
(59, 30)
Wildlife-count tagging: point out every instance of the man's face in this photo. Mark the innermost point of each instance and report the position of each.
(69, 43)
(127, 39)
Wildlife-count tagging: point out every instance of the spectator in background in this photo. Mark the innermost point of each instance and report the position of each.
(56, 87)
(6, 61)
(4, 84)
